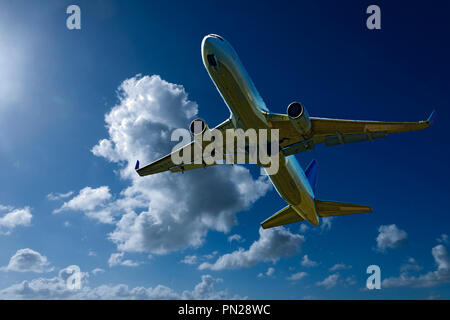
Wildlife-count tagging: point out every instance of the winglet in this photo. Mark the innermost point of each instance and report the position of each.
(431, 118)
(311, 174)
(136, 167)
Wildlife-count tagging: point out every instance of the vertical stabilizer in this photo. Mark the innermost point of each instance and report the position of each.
(311, 174)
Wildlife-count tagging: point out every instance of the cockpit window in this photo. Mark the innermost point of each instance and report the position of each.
(212, 60)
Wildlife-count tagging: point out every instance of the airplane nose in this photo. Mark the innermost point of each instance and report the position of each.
(210, 48)
(209, 42)
(212, 35)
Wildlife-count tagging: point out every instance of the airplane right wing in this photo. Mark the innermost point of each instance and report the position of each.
(335, 131)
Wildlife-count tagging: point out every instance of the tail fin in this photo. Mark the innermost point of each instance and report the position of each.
(331, 208)
(311, 174)
(431, 118)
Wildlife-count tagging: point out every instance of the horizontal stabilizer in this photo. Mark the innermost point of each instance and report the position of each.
(284, 216)
(331, 208)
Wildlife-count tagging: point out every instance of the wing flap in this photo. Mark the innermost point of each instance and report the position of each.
(331, 208)
(325, 127)
(286, 215)
(190, 166)
(349, 138)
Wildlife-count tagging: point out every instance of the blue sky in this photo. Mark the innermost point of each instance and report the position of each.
(168, 235)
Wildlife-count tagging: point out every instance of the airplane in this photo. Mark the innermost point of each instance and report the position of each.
(298, 132)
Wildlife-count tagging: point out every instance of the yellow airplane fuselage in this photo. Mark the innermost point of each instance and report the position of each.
(248, 110)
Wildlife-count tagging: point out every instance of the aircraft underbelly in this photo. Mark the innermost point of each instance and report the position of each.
(239, 98)
(292, 189)
(248, 112)
(286, 185)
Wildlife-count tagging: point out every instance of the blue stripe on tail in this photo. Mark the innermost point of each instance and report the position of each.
(311, 174)
(432, 117)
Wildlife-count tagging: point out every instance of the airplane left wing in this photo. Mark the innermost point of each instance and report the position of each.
(166, 164)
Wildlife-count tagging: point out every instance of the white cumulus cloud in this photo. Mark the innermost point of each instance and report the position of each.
(411, 265)
(335, 279)
(117, 259)
(58, 196)
(235, 237)
(93, 202)
(306, 262)
(271, 246)
(297, 276)
(28, 260)
(163, 212)
(97, 271)
(326, 223)
(270, 271)
(443, 238)
(329, 282)
(391, 237)
(431, 279)
(340, 266)
(190, 259)
(11, 218)
(205, 290)
(57, 288)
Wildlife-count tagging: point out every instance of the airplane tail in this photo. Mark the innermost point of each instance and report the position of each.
(311, 174)
(289, 214)
(331, 208)
(286, 215)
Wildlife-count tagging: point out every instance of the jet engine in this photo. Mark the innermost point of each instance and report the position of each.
(299, 118)
(198, 126)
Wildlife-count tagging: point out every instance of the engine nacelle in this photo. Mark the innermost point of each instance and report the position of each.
(198, 126)
(299, 118)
